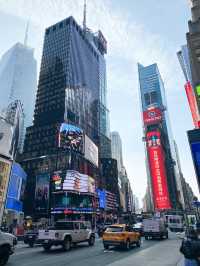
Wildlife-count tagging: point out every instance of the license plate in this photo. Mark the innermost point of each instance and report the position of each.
(46, 241)
(46, 233)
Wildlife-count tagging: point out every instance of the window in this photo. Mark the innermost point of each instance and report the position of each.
(150, 98)
(114, 229)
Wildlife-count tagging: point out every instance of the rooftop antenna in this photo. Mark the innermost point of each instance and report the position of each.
(84, 16)
(26, 34)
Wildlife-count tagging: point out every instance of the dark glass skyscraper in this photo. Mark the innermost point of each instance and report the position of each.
(163, 176)
(71, 89)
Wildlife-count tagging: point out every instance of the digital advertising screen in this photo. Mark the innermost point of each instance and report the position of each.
(194, 141)
(70, 137)
(152, 116)
(158, 171)
(42, 193)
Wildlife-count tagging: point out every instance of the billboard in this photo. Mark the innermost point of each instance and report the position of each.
(152, 116)
(158, 171)
(6, 139)
(4, 179)
(75, 181)
(42, 193)
(70, 137)
(91, 151)
(192, 103)
(16, 188)
(102, 198)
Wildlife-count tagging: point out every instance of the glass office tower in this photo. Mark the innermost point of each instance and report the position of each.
(72, 90)
(163, 176)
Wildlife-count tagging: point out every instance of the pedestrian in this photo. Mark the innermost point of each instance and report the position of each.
(190, 248)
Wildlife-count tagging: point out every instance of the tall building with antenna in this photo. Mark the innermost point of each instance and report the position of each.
(71, 91)
(18, 78)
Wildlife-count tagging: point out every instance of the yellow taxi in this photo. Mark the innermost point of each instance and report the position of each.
(121, 235)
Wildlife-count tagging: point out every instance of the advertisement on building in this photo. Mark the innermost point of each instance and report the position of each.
(5, 166)
(194, 141)
(158, 172)
(193, 104)
(42, 193)
(75, 181)
(91, 151)
(70, 137)
(6, 139)
(102, 198)
(152, 116)
(16, 188)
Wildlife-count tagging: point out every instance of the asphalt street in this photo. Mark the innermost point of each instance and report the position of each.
(152, 253)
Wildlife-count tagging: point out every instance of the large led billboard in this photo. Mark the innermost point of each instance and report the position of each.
(16, 188)
(42, 193)
(73, 181)
(5, 166)
(157, 171)
(6, 139)
(152, 116)
(194, 140)
(91, 151)
(70, 137)
(193, 104)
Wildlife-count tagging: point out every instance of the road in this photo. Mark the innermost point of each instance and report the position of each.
(152, 253)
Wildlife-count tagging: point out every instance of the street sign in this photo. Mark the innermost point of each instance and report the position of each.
(196, 203)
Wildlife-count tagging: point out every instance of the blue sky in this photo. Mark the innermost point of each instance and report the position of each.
(145, 31)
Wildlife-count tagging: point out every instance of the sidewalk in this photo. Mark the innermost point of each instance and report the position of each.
(165, 253)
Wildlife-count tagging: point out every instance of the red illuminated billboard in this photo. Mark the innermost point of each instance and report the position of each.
(152, 116)
(158, 171)
(193, 104)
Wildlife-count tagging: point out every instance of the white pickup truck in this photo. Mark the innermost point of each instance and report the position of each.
(7, 243)
(66, 234)
(154, 228)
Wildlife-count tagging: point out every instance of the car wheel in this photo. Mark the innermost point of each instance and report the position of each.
(128, 244)
(146, 237)
(106, 246)
(138, 243)
(31, 244)
(167, 236)
(91, 241)
(4, 256)
(46, 247)
(67, 244)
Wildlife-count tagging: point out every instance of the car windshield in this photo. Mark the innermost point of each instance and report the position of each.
(64, 225)
(114, 229)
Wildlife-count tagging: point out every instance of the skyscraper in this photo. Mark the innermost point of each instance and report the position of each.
(159, 146)
(116, 148)
(18, 79)
(193, 43)
(184, 59)
(71, 90)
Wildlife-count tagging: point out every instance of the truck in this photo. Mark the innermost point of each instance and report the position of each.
(7, 245)
(65, 234)
(154, 228)
(175, 222)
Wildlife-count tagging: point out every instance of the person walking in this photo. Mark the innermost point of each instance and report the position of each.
(190, 248)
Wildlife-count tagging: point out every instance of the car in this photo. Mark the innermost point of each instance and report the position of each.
(7, 245)
(31, 238)
(121, 235)
(66, 234)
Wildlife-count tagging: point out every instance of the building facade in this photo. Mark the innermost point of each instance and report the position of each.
(193, 43)
(71, 101)
(159, 146)
(18, 79)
